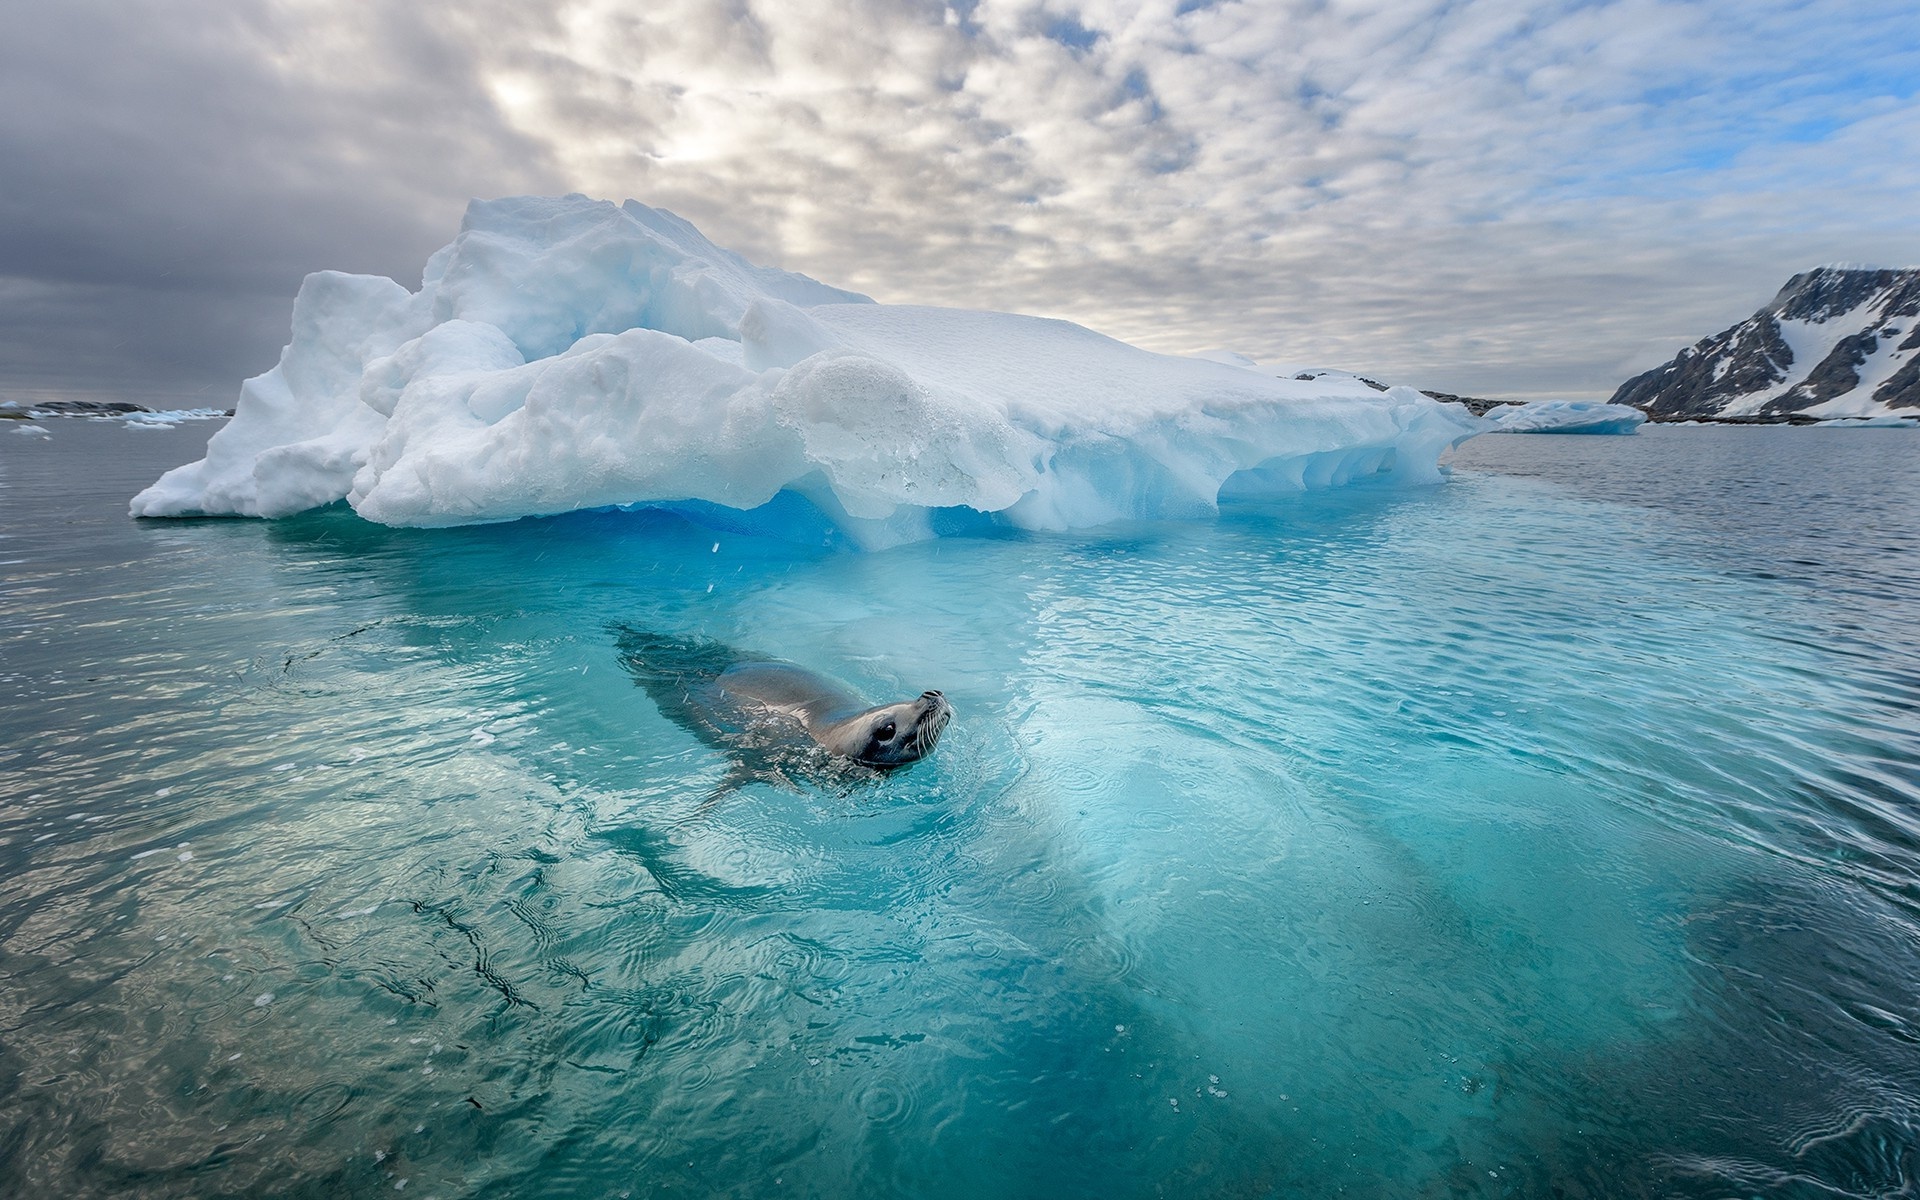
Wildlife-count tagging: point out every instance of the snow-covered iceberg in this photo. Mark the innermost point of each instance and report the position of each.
(1565, 416)
(568, 353)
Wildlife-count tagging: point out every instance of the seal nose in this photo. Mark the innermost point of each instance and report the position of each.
(932, 696)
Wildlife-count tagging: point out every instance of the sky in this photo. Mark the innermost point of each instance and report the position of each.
(1493, 197)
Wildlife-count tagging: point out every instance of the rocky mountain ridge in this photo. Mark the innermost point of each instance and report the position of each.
(1837, 341)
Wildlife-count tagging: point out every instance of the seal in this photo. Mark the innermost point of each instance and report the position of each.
(882, 736)
(776, 719)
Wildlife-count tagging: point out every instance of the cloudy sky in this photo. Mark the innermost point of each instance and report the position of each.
(1497, 197)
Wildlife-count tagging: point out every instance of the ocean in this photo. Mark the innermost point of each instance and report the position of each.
(1551, 832)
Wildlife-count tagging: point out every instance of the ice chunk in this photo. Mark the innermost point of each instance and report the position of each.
(1565, 416)
(300, 431)
(567, 353)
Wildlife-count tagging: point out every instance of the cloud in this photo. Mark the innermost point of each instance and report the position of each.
(172, 174)
(1482, 195)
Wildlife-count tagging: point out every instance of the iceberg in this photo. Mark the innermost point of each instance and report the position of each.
(567, 353)
(1565, 416)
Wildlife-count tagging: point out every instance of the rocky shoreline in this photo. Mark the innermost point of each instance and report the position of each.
(110, 409)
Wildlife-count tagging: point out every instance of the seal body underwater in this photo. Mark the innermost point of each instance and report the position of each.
(774, 718)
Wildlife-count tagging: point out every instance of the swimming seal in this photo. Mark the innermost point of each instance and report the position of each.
(883, 737)
(773, 718)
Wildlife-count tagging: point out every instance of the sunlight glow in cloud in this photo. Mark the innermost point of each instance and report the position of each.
(1488, 196)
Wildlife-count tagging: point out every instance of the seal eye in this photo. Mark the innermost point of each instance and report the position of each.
(885, 732)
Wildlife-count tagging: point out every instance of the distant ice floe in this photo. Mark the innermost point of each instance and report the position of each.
(1884, 421)
(567, 354)
(1565, 416)
(172, 417)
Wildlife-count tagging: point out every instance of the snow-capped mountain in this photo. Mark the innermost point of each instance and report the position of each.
(1837, 341)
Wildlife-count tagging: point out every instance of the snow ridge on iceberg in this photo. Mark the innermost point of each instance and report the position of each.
(568, 353)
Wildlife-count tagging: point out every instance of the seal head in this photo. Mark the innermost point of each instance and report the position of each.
(891, 735)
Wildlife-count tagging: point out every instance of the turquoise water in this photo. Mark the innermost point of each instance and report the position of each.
(1553, 831)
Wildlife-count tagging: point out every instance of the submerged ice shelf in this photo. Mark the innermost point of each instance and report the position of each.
(568, 353)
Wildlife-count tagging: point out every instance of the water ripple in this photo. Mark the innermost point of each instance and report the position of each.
(1554, 829)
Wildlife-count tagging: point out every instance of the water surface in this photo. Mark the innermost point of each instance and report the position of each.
(1551, 831)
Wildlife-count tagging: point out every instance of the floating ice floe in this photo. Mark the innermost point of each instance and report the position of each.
(567, 354)
(1884, 421)
(171, 418)
(1565, 416)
